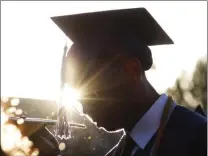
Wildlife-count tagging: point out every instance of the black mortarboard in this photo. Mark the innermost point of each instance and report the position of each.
(134, 26)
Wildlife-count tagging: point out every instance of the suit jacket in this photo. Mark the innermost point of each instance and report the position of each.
(185, 135)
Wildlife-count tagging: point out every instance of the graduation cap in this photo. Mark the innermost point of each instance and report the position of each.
(135, 28)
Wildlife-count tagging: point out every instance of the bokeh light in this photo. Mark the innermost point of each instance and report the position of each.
(13, 143)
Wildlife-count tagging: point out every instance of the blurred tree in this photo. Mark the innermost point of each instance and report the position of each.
(189, 92)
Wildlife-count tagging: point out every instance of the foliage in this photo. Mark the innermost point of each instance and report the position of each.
(189, 92)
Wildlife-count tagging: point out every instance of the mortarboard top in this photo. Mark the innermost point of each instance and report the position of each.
(134, 29)
(98, 25)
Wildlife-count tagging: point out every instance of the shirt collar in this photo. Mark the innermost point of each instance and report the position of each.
(147, 126)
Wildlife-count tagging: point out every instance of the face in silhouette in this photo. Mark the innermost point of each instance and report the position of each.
(106, 84)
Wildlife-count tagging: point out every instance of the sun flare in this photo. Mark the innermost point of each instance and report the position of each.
(70, 98)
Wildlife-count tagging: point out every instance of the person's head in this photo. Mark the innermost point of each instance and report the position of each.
(108, 60)
(111, 77)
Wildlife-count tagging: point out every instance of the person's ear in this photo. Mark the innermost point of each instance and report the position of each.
(134, 68)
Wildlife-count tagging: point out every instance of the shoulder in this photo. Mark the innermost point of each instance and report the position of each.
(192, 118)
(185, 132)
(194, 129)
(185, 123)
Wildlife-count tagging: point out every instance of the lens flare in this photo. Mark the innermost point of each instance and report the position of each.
(11, 110)
(18, 112)
(35, 152)
(4, 99)
(20, 121)
(70, 97)
(67, 104)
(15, 102)
(62, 146)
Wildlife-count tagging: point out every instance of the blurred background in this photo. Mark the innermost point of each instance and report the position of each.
(32, 47)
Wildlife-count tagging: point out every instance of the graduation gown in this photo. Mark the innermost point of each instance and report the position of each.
(185, 135)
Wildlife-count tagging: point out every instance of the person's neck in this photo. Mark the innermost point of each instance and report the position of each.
(136, 110)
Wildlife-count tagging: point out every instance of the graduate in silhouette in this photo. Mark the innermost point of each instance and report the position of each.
(107, 62)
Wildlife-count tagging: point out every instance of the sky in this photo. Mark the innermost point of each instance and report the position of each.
(32, 45)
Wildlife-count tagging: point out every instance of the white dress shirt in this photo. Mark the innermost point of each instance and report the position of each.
(147, 126)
